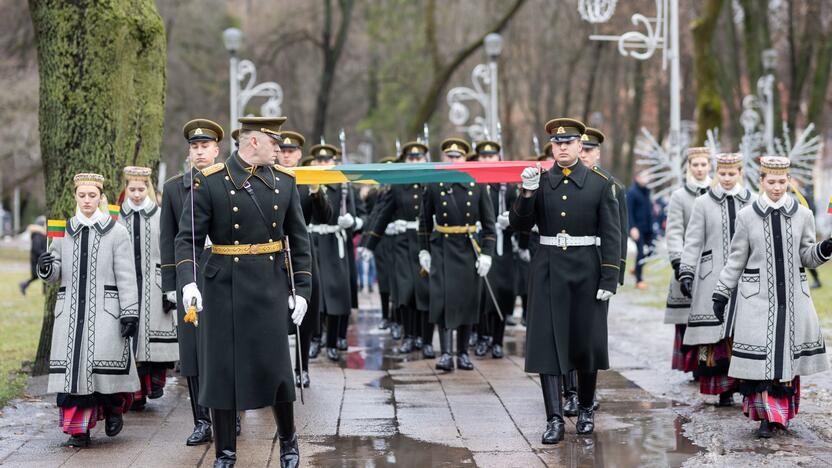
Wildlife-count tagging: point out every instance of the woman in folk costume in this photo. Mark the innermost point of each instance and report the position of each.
(91, 367)
(777, 338)
(697, 182)
(155, 345)
(707, 245)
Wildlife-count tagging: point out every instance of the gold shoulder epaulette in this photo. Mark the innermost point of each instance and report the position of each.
(213, 169)
(595, 170)
(177, 176)
(284, 170)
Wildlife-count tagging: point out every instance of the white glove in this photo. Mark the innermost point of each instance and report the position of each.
(483, 265)
(346, 221)
(604, 295)
(299, 309)
(502, 220)
(190, 292)
(171, 296)
(531, 177)
(424, 259)
(524, 255)
(366, 254)
(391, 230)
(401, 226)
(359, 223)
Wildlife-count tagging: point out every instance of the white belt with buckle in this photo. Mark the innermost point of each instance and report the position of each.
(332, 229)
(565, 240)
(414, 225)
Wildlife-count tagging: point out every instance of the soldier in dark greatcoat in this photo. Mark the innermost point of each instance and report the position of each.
(315, 209)
(573, 273)
(401, 205)
(333, 241)
(203, 137)
(250, 208)
(456, 262)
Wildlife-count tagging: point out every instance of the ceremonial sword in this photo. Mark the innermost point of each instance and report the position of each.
(295, 302)
(485, 278)
(191, 314)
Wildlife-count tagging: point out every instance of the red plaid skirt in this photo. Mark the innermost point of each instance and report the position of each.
(156, 378)
(76, 420)
(762, 406)
(714, 360)
(685, 358)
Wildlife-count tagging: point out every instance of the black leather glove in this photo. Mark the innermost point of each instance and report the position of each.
(129, 327)
(686, 286)
(676, 264)
(720, 302)
(167, 305)
(45, 261)
(826, 248)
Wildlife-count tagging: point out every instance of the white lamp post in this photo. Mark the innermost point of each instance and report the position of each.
(242, 82)
(483, 76)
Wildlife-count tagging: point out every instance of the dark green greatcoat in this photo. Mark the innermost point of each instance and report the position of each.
(566, 324)
(454, 283)
(244, 354)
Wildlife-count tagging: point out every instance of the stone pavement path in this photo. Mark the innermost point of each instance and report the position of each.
(376, 408)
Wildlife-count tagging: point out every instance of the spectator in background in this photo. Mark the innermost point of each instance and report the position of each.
(38, 236)
(640, 210)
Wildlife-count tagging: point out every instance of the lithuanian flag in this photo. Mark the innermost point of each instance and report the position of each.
(114, 211)
(829, 208)
(55, 228)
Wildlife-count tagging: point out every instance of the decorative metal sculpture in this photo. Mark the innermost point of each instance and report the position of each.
(596, 11)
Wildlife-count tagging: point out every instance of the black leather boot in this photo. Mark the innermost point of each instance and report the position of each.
(407, 345)
(113, 423)
(482, 346)
(225, 443)
(464, 362)
(238, 425)
(445, 361)
(726, 399)
(202, 417)
(497, 351)
(333, 354)
(384, 324)
(289, 452)
(418, 343)
(554, 409)
(765, 432)
(314, 347)
(342, 344)
(428, 352)
(472, 339)
(284, 417)
(79, 440)
(570, 391)
(586, 420)
(396, 331)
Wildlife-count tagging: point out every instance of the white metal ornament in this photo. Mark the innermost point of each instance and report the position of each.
(459, 98)
(596, 11)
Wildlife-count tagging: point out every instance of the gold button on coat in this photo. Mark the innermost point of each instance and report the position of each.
(236, 226)
(562, 213)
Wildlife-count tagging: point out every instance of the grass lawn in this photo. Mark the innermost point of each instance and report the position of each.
(20, 321)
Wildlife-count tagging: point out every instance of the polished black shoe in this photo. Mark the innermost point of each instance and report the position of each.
(418, 343)
(406, 347)
(554, 431)
(396, 331)
(464, 362)
(238, 425)
(79, 440)
(427, 351)
(586, 421)
(156, 393)
(304, 379)
(595, 405)
(138, 404)
(297, 379)
(815, 284)
(384, 324)
(333, 354)
(445, 362)
(726, 400)
(289, 453)
(113, 423)
(342, 344)
(472, 339)
(497, 351)
(201, 434)
(482, 348)
(765, 432)
(570, 406)
(314, 349)
(226, 460)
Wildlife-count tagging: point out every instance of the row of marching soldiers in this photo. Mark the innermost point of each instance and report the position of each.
(739, 295)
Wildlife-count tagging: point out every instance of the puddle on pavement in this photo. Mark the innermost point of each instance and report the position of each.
(370, 348)
(397, 450)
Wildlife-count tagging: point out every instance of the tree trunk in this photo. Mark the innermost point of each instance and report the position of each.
(800, 56)
(441, 76)
(102, 91)
(332, 53)
(708, 102)
(634, 118)
(820, 82)
(590, 87)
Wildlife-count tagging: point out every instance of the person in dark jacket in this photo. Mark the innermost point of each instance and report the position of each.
(640, 214)
(37, 232)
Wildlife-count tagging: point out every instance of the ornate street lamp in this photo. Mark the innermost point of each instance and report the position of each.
(483, 92)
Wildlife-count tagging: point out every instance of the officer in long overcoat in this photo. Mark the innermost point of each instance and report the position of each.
(249, 207)
(203, 137)
(455, 260)
(573, 273)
